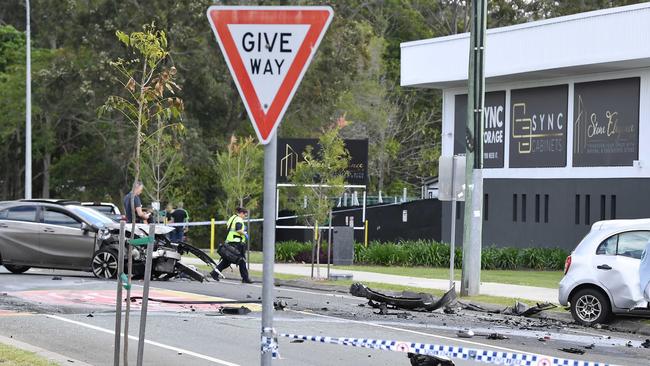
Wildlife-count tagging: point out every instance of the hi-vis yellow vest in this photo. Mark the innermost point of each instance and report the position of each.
(233, 235)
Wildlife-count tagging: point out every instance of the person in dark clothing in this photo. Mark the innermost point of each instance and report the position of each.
(141, 216)
(234, 250)
(178, 216)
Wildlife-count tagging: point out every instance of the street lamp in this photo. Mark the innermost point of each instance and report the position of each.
(28, 112)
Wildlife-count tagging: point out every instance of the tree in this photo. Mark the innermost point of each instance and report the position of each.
(319, 178)
(240, 174)
(147, 84)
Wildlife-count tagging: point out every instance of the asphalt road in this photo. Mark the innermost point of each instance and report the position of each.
(75, 316)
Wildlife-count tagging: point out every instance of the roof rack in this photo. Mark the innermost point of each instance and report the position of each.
(56, 201)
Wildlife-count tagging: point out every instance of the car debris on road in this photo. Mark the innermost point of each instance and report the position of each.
(405, 300)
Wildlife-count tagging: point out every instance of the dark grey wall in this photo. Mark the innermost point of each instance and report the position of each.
(624, 198)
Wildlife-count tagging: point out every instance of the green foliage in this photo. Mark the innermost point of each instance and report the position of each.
(240, 174)
(433, 254)
(320, 177)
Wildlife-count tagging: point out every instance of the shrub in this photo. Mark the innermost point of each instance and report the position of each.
(431, 254)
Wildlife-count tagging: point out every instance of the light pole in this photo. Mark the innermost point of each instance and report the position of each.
(28, 111)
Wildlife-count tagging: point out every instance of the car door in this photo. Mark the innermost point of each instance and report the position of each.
(63, 243)
(19, 234)
(616, 265)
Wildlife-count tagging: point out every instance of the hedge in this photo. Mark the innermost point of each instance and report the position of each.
(431, 254)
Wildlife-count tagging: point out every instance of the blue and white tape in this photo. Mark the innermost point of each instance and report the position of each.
(458, 352)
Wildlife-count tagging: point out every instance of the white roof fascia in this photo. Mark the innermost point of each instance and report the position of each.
(597, 41)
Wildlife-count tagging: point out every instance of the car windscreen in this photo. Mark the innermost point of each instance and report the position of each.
(90, 215)
(103, 209)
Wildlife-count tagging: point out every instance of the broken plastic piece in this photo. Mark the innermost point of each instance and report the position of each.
(428, 360)
(235, 311)
(465, 333)
(573, 350)
(405, 300)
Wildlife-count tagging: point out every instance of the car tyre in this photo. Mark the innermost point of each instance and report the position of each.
(590, 306)
(104, 263)
(16, 269)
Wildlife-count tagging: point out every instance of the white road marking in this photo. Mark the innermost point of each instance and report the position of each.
(418, 333)
(157, 344)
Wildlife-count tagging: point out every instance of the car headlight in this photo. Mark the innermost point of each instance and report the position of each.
(104, 234)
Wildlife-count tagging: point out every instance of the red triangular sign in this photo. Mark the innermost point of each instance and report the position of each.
(268, 49)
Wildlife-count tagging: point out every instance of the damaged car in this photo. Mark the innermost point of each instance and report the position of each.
(601, 276)
(61, 234)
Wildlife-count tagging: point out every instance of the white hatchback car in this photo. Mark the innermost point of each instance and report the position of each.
(601, 276)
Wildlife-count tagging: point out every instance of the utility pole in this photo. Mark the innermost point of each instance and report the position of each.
(472, 234)
(28, 109)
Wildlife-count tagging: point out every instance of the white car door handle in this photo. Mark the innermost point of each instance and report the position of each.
(604, 266)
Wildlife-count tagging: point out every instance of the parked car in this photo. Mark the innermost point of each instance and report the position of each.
(601, 276)
(62, 234)
(107, 209)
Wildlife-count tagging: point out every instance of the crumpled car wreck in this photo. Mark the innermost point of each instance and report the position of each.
(166, 259)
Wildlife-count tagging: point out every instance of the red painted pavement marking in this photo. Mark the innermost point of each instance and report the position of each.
(106, 299)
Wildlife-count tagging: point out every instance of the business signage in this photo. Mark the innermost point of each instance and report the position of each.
(606, 123)
(538, 125)
(493, 128)
(290, 152)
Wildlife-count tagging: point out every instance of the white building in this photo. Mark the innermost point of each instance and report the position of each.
(567, 128)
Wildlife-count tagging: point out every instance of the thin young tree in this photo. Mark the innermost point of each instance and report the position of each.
(320, 178)
(146, 98)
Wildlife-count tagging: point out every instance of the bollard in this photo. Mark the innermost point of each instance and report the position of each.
(145, 292)
(118, 297)
(211, 236)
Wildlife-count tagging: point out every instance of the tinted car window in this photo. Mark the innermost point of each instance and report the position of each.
(20, 213)
(104, 209)
(53, 217)
(608, 247)
(632, 244)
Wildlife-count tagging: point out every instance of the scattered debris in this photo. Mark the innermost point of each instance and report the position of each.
(90, 315)
(404, 315)
(646, 344)
(524, 310)
(496, 336)
(404, 300)
(55, 278)
(628, 344)
(591, 346)
(235, 311)
(324, 309)
(249, 296)
(279, 305)
(297, 341)
(465, 333)
(361, 305)
(427, 360)
(573, 350)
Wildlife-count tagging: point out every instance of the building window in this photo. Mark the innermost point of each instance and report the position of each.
(514, 207)
(612, 207)
(536, 208)
(577, 209)
(587, 209)
(485, 206)
(602, 206)
(457, 210)
(546, 208)
(523, 208)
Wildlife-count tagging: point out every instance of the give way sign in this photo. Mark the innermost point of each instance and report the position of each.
(268, 49)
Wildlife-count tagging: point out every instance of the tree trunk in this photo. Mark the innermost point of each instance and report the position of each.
(47, 162)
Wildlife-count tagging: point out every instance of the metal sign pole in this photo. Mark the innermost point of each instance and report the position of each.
(329, 241)
(118, 296)
(145, 292)
(268, 333)
(452, 245)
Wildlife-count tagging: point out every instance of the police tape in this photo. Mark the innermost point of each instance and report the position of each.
(463, 353)
(206, 223)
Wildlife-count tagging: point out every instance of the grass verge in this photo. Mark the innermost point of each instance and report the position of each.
(483, 299)
(11, 356)
(547, 279)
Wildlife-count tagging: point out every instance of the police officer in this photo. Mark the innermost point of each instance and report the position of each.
(236, 239)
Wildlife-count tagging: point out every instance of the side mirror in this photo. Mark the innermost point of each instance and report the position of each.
(86, 228)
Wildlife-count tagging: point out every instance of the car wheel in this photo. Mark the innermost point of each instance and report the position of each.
(16, 269)
(104, 263)
(590, 306)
